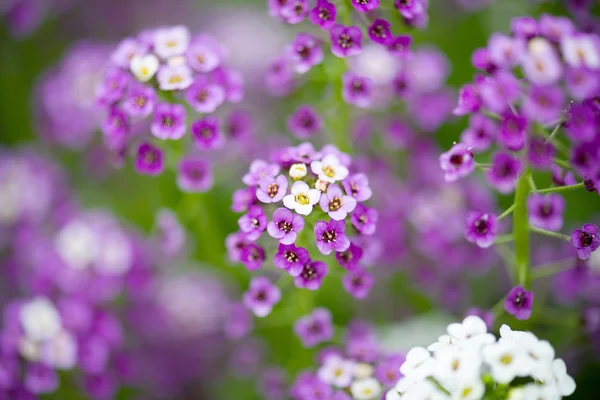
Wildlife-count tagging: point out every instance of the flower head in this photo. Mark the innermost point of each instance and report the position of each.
(302, 198)
(194, 175)
(285, 226)
(458, 162)
(315, 328)
(586, 240)
(519, 302)
(149, 160)
(291, 259)
(546, 211)
(311, 276)
(323, 14)
(331, 236)
(345, 41)
(481, 228)
(169, 121)
(261, 296)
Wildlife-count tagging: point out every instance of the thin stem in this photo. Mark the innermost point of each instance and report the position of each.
(509, 259)
(491, 115)
(554, 132)
(504, 239)
(550, 233)
(521, 230)
(563, 163)
(498, 308)
(561, 188)
(507, 212)
(546, 270)
(532, 184)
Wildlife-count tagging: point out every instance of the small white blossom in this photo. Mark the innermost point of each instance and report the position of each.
(77, 245)
(540, 392)
(443, 341)
(144, 67)
(393, 395)
(365, 389)
(60, 352)
(337, 371)
(472, 329)
(29, 350)
(363, 370)
(298, 171)
(174, 77)
(455, 364)
(171, 42)
(473, 389)
(330, 169)
(424, 390)
(302, 199)
(116, 256)
(418, 365)
(505, 359)
(39, 319)
(580, 51)
(564, 383)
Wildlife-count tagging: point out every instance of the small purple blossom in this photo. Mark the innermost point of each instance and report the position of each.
(168, 121)
(540, 153)
(204, 96)
(238, 322)
(291, 258)
(113, 87)
(504, 172)
(258, 169)
(285, 226)
(253, 223)
(294, 11)
(357, 186)
(543, 104)
(323, 14)
(204, 54)
(585, 240)
(512, 132)
(252, 256)
(232, 81)
(311, 276)
(305, 52)
(207, 133)
(279, 78)
(235, 244)
(271, 190)
(380, 32)
(469, 100)
(350, 258)
(149, 160)
(115, 127)
(481, 228)
(562, 177)
(357, 90)
(499, 91)
(261, 296)
(40, 379)
(336, 204)
(194, 175)
(358, 283)
(399, 45)
(546, 211)
(315, 328)
(365, 219)
(387, 371)
(457, 162)
(331, 236)
(242, 199)
(345, 41)
(363, 6)
(480, 134)
(504, 51)
(139, 101)
(580, 125)
(410, 9)
(305, 122)
(239, 125)
(519, 303)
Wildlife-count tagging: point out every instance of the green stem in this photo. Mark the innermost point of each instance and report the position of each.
(561, 188)
(504, 239)
(521, 230)
(550, 233)
(532, 184)
(507, 212)
(562, 163)
(546, 270)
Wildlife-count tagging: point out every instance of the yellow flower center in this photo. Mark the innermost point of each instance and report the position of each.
(506, 359)
(302, 198)
(176, 79)
(328, 171)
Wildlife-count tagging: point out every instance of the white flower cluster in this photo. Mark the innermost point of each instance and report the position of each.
(346, 373)
(469, 363)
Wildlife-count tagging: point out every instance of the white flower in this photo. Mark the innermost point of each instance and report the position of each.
(298, 171)
(472, 329)
(418, 365)
(424, 390)
(540, 354)
(539, 392)
(171, 42)
(365, 389)
(443, 341)
(77, 245)
(468, 390)
(337, 372)
(302, 199)
(456, 364)
(144, 67)
(505, 359)
(39, 319)
(541, 65)
(329, 169)
(60, 351)
(580, 51)
(393, 395)
(116, 255)
(174, 77)
(363, 370)
(564, 383)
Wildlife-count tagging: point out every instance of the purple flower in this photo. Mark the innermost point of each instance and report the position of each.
(365, 5)
(243, 199)
(331, 236)
(261, 296)
(336, 204)
(169, 121)
(469, 100)
(271, 190)
(584, 158)
(291, 259)
(304, 153)
(504, 172)
(585, 240)
(358, 283)
(305, 122)
(139, 101)
(238, 322)
(380, 32)
(204, 96)
(480, 133)
(305, 52)
(581, 83)
(194, 175)
(543, 104)
(115, 127)
(504, 51)
(365, 219)
(481, 228)
(252, 256)
(235, 243)
(457, 162)
(93, 354)
(524, 27)
(149, 160)
(253, 223)
(555, 28)
(345, 41)
(357, 90)
(562, 177)
(311, 276)
(207, 133)
(279, 79)
(323, 14)
(519, 302)
(580, 125)
(398, 134)
(239, 125)
(285, 226)
(315, 328)
(294, 11)
(388, 370)
(101, 386)
(349, 259)
(486, 315)
(500, 91)
(399, 45)
(540, 153)
(357, 186)
(40, 379)
(232, 81)
(114, 86)
(258, 169)
(546, 211)
(410, 8)
(204, 54)
(512, 132)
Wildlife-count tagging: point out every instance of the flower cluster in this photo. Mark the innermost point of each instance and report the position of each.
(305, 203)
(359, 370)
(159, 86)
(469, 363)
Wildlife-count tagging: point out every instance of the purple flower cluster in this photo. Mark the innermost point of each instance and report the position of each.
(359, 369)
(160, 85)
(305, 201)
